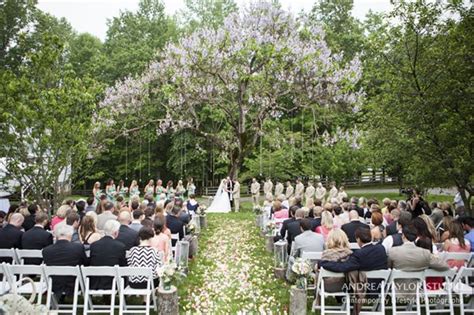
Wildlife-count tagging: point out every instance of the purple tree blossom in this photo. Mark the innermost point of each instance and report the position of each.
(261, 63)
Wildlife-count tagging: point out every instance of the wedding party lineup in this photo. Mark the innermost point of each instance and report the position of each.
(236, 157)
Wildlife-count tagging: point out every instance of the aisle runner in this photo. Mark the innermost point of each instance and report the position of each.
(233, 273)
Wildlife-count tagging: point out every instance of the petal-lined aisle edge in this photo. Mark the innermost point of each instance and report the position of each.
(232, 272)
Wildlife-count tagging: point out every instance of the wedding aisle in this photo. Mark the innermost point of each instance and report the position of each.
(232, 273)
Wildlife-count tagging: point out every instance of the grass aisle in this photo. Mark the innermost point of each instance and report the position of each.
(232, 272)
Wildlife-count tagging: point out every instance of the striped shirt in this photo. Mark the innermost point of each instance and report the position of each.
(143, 256)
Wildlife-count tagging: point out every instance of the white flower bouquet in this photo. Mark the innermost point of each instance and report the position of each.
(302, 268)
(257, 209)
(201, 210)
(270, 227)
(191, 228)
(168, 273)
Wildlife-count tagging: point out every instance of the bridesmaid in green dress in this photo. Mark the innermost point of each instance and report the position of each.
(159, 189)
(96, 192)
(150, 188)
(122, 190)
(169, 189)
(134, 189)
(110, 190)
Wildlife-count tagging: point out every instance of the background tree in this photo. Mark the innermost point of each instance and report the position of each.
(206, 13)
(256, 67)
(46, 121)
(421, 107)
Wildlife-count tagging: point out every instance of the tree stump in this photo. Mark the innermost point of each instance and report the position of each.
(279, 273)
(203, 221)
(269, 243)
(168, 301)
(298, 301)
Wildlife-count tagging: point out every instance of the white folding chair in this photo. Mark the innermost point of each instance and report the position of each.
(320, 289)
(447, 256)
(462, 286)
(9, 253)
(16, 276)
(173, 247)
(313, 258)
(354, 246)
(102, 271)
(21, 254)
(383, 276)
(68, 271)
(445, 290)
(5, 284)
(123, 273)
(406, 280)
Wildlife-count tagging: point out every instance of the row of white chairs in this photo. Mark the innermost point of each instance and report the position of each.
(12, 282)
(456, 282)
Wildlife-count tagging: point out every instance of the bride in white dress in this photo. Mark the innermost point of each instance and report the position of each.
(221, 201)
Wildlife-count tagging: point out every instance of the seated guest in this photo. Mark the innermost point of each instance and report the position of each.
(184, 216)
(326, 224)
(456, 243)
(307, 241)
(30, 219)
(392, 227)
(37, 237)
(149, 214)
(64, 253)
(294, 228)
(339, 217)
(88, 232)
(278, 211)
(353, 225)
(468, 226)
(60, 215)
(337, 249)
(73, 219)
(11, 234)
(424, 234)
(359, 205)
(106, 215)
(378, 230)
(161, 216)
(107, 251)
(160, 242)
(3, 215)
(369, 257)
(135, 204)
(144, 255)
(316, 220)
(126, 235)
(192, 204)
(174, 223)
(138, 216)
(90, 205)
(284, 225)
(396, 239)
(80, 207)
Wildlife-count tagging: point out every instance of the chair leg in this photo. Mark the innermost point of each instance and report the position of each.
(76, 293)
(461, 303)
(147, 303)
(112, 302)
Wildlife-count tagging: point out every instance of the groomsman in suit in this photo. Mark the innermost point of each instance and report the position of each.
(37, 237)
(320, 192)
(299, 189)
(310, 190)
(255, 191)
(289, 190)
(333, 192)
(236, 195)
(268, 187)
(278, 189)
(230, 189)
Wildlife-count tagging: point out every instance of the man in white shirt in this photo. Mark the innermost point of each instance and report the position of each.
(299, 189)
(278, 189)
(310, 190)
(289, 190)
(320, 192)
(268, 187)
(255, 191)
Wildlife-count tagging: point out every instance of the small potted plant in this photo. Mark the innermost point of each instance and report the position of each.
(259, 215)
(169, 273)
(301, 268)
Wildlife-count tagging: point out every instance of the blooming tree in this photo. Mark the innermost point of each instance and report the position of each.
(262, 63)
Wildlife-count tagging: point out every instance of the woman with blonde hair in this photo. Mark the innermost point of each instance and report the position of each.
(431, 227)
(327, 224)
(337, 249)
(96, 192)
(150, 188)
(88, 230)
(60, 215)
(134, 190)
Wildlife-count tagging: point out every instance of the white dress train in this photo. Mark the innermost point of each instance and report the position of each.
(221, 201)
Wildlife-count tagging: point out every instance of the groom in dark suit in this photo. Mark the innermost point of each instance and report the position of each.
(230, 188)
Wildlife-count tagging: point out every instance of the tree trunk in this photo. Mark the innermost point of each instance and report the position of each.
(466, 199)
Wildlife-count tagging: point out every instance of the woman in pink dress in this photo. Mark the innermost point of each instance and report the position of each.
(278, 212)
(456, 243)
(327, 224)
(161, 241)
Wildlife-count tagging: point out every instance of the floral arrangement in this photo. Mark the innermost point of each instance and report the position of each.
(191, 228)
(169, 273)
(270, 227)
(257, 209)
(302, 268)
(201, 210)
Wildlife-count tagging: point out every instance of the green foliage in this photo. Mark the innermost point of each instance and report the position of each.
(87, 56)
(420, 97)
(206, 13)
(134, 38)
(46, 117)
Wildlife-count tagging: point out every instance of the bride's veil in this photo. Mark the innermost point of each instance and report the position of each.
(219, 190)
